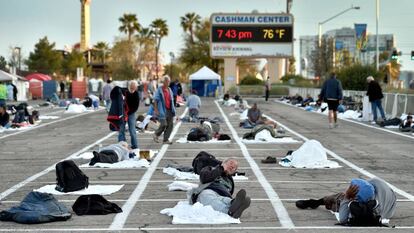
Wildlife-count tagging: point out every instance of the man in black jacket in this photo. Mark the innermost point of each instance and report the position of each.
(375, 95)
(132, 104)
(217, 189)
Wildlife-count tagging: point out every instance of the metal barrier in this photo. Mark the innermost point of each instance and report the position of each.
(394, 104)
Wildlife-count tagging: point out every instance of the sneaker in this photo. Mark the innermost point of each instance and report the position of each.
(269, 159)
(155, 138)
(331, 125)
(311, 203)
(167, 142)
(244, 205)
(373, 122)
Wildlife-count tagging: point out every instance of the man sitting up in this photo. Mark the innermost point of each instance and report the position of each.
(193, 104)
(307, 101)
(4, 118)
(364, 203)
(112, 154)
(217, 187)
(254, 117)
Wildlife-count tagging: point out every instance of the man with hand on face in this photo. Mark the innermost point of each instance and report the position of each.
(217, 187)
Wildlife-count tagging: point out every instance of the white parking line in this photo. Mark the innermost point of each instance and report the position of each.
(51, 168)
(46, 124)
(349, 164)
(280, 210)
(120, 219)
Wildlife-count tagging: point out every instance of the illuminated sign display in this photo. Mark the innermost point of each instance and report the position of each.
(251, 35)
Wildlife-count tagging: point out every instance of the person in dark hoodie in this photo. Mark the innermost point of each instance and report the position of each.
(375, 95)
(4, 118)
(132, 103)
(361, 191)
(331, 93)
(217, 187)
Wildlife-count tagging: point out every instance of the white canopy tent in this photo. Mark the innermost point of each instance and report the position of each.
(205, 82)
(21, 84)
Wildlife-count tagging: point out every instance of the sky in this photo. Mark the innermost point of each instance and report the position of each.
(24, 22)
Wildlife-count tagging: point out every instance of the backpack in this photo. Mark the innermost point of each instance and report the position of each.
(204, 159)
(94, 205)
(69, 177)
(363, 214)
(224, 137)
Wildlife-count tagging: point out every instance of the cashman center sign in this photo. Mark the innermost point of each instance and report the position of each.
(251, 35)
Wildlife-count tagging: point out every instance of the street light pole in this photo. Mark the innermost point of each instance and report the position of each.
(377, 43)
(331, 18)
(19, 54)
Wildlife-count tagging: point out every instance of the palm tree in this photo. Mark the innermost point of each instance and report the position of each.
(145, 36)
(129, 25)
(160, 30)
(189, 22)
(102, 50)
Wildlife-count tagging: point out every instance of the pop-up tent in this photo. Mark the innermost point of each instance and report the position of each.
(205, 82)
(38, 76)
(20, 83)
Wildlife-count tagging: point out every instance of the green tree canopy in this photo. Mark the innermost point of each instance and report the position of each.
(123, 60)
(190, 22)
(72, 61)
(355, 77)
(3, 63)
(44, 59)
(129, 25)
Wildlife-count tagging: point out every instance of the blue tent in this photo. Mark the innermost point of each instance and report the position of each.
(206, 82)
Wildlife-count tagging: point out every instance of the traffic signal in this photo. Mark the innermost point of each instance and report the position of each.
(394, 55)
(412, 55)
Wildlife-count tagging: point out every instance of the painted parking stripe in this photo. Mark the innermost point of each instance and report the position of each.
(120, 219)
(280, 210)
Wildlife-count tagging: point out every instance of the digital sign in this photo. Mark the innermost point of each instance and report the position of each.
(251, 35)
(260, 34)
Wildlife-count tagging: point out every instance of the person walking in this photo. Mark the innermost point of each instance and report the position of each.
(267, 88)
(375, 95)
(132, 104)
(164, 110)
(106, 94)
(62, 89)
(331, 93)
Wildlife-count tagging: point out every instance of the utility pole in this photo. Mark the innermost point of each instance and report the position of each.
(377, 39)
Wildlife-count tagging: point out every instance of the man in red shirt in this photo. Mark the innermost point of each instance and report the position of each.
(164, 110)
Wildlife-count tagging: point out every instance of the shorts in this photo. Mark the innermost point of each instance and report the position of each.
(333, 104)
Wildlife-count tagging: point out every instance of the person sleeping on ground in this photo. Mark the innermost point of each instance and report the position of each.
(147, 121)
(206, 131)
(112, 154)
(216, 189)
(254, 117)
(407, 125)
(364, 203)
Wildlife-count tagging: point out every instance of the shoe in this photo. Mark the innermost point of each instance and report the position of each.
(331, 125)
(373, 122)
(336, 125)
(94, 159)
(155, 138)
(243, 206)
(237, 203)
(167, 142)
(311, 203)
(269, 159)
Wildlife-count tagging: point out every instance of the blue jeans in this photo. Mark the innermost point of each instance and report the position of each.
(213, 199)
(107, 105)
(377, 104)
(132, 131)
(6, 126)
(2, 102)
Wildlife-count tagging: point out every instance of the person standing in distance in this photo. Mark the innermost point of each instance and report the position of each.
(331, 93)
(164, 110)
(267, 88)
(375, 95)
(132, 104)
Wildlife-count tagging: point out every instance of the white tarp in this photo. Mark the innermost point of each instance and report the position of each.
(92, 189)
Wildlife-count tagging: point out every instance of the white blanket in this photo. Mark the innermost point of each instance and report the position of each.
(184, 213)
(350, 114)
(76, 108)
(178, 175)
(212, 141)
(92, 189)
(89, 155)
(243, 116)
(264, 136)
(48, 117)
(392, 126)
(310, 155)
(130, 163)
(181, 186)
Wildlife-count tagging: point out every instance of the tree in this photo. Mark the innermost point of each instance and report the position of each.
(129, 25)
(160, 30)
(189, 23)
(102, 51)
(390, 68)
(196, 55)
(72, 61)
(146, 51)
(3, 63)
(44, 59)
(343, 58)
(354, 77)
(322, 57)
(123, 60)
